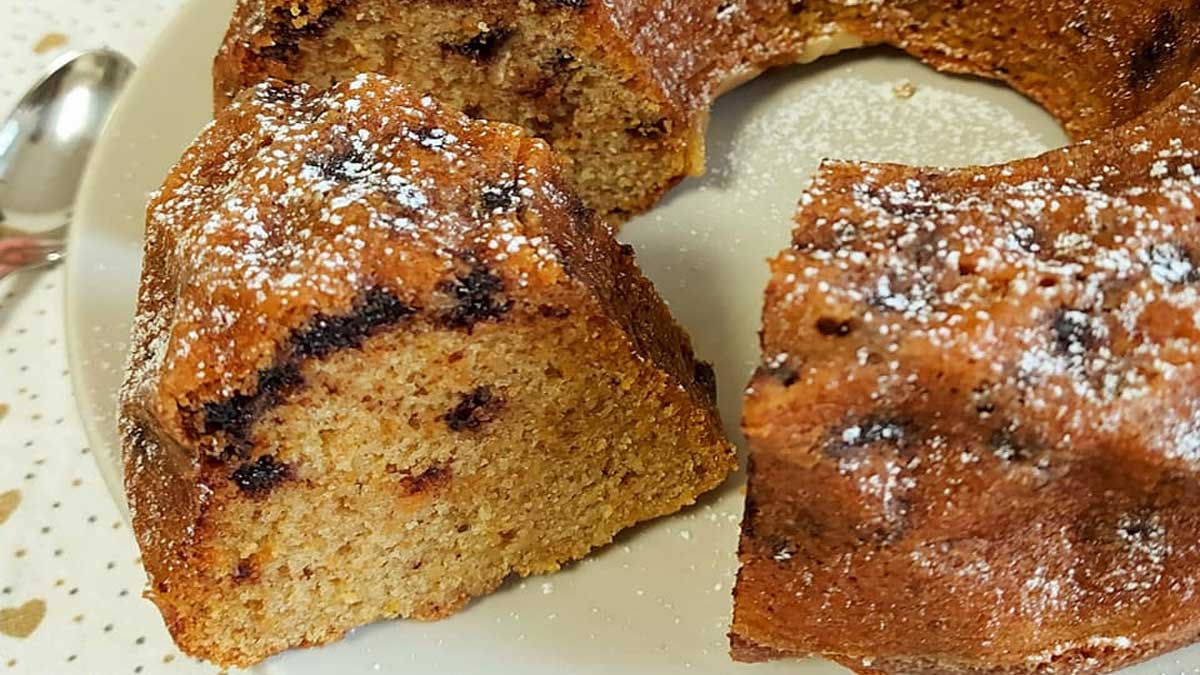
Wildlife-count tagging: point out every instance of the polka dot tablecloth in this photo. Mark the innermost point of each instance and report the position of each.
(70, 579)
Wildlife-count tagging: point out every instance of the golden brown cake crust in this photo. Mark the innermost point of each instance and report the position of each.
(973, 437)
(302, 225)
(1092, 63)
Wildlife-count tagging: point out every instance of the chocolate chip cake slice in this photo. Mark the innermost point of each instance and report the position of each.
(975, 437)
(383, 359)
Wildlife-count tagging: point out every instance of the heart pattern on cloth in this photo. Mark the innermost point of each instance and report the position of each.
(8, 503)
(20, 622)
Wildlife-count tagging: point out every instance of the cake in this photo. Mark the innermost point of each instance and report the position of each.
(975, 434)
(384, 358)
(973, 447)
(623, 88)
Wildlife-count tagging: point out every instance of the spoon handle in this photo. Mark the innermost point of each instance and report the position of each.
(22, 253)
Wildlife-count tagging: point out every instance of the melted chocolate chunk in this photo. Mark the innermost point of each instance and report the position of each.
(476, 298)
(502, 196)
(474, 410)
(258, 478)
(234, 416)
(1154, 54)
(483, 47)
(288, 37)
(375, 311)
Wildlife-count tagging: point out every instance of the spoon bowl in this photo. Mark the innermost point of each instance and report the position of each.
(46, 141)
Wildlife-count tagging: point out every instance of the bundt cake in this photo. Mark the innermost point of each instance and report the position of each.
(623, 87)
(383, 358)
(975, 436)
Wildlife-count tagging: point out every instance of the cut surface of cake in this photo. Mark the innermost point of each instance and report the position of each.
(384, 358)
(623, 87)
(975, 436)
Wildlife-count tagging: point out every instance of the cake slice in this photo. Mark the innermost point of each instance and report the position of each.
(975, 436)
(383, 358)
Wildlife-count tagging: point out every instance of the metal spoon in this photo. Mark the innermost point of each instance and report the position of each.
(44, 146)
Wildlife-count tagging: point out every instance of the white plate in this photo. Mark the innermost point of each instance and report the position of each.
(658, 601)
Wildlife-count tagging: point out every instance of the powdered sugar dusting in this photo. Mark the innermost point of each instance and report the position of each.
(992, 371)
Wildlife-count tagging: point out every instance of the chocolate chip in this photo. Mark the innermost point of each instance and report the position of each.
(429, 480)
(474, 410)
(477, 298)
(288, 37)
(554, 72)
(348, 164)
(706, 377)
(1010, 449)
(277, 92)
(554, 311)
(1136, 527)
(892, 431)
(1172, 264)
(502, 196)
(1026, 238)
(1073, 332)
(653, 129)
(1153, 55)
(483, 47)
(245, 572)
(434, 138)
(785, 375)
(258, 478)
(830, 327)
(376, 310)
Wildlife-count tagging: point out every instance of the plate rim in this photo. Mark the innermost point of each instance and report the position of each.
(90, 410)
